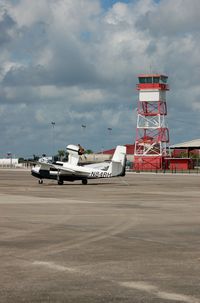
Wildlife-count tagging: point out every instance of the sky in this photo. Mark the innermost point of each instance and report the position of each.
(75, 63)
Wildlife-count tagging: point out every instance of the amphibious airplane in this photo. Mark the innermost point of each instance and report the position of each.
(71, 171)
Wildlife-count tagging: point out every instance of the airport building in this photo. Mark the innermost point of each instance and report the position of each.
(9, 162)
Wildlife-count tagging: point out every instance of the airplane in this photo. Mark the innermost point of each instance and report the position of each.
(72, 171)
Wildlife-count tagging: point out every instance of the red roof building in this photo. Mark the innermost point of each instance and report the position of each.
(129, 150)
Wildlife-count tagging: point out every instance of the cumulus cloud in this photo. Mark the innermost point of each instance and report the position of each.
(76, 62)
(172, 18)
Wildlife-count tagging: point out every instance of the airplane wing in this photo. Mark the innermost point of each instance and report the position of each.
(63, 170)
(44, 165)
(67, 171)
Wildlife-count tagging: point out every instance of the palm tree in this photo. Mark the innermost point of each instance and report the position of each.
(61, 154)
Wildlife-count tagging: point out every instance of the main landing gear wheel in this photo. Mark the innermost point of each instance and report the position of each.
(60, 182)
(84, 181)
(40, 181)
(59, 178)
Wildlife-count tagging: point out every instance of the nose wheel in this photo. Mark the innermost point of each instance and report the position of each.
(84, 181)
(40, 181)
(60, 182)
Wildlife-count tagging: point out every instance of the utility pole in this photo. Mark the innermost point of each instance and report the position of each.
(53, 137)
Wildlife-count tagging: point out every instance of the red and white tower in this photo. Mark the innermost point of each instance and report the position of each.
(152, 135)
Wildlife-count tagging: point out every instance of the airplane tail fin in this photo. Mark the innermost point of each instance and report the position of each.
(73, 156)
(118, 163)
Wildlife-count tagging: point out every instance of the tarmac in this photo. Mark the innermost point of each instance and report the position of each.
(133, 239)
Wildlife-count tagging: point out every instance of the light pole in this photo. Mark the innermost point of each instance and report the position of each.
(109, 130)
(83, 127)
(53, 143)
(109, 134)
(10, 156)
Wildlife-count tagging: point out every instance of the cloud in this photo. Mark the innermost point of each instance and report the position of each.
(172, 18)
(6, 25)
(76, 62)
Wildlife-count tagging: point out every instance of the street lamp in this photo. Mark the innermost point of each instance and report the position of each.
(9, 155)
(109, 130)
(109, 135)
(83, 127)
(53, 143)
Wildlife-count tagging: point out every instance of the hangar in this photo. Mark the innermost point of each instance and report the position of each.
(189, 150)
(188, 146)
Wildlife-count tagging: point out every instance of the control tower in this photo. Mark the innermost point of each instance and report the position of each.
(152, 135)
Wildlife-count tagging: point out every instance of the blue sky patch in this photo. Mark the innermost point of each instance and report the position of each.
(109, 3)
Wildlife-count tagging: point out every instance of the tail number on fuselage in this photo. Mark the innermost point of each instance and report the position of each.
(97, 174)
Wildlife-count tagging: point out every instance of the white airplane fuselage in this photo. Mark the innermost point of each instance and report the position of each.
(83, 173)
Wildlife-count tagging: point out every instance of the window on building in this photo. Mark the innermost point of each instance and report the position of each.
(142, 80)
(163, 79)
(156, 79)
(149, 80)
